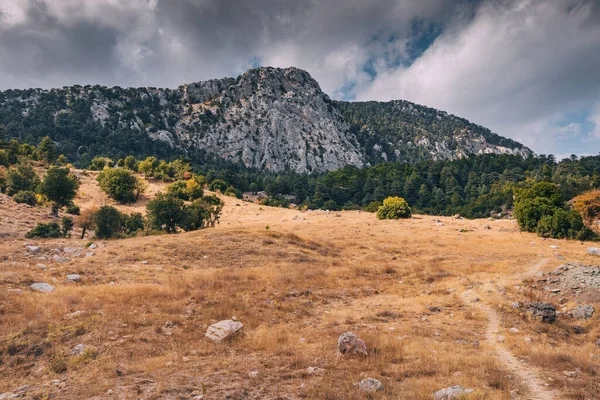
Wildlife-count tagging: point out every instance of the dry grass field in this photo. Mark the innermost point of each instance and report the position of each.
(431, 302)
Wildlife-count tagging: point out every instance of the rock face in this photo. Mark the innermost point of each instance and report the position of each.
(349, 343)
(370, 385)
(544, 311)
(223, 330)
(267, 118)
(583, 312)
(450, 393)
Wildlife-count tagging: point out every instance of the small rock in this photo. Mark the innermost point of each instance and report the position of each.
(553, 246)
(41, 266)
(513, 330)
(527, 340)
(109, 392)
(73, 277)
(370, 385)
(583, 312)
(223, 330)
(78, 350)
(515, 304)
(253, 374)
(42, 287)
(33, 249)
(315, 371)
(593, 251)
(450, 393)
(500, 339)
(92, 246)
(546, 312)
(570, 374)
(144, 262)
(349, 343)
(60, 259)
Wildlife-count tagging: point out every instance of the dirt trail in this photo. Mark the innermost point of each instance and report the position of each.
(530, 376)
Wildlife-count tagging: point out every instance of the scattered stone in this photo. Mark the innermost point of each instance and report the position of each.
(109, 392)
(73, 277)
(41, 266)
(75, 314)
(513, 330)
(42, 287)
(527, 340)
(78, 350)
(315, 371)
(500, 339)
(570, 374)
(253, 374)
(593, 251)
(349, 343)
(450, 393)
(61, 259)
(553, 246)
(546, 312)
(33, 249)
(223, 330)
(583, 312)
(371, 385)
(515, 305)
(72, 250)
(92, 246)
(144, 262)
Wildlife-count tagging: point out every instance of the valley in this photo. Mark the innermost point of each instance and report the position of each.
(433, 299)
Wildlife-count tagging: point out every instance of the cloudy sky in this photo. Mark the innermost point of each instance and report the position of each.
(527, 69)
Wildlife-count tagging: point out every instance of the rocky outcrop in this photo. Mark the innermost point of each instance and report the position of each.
(223, 330)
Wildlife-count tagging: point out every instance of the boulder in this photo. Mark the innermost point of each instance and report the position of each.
(544, 311)
(223, 330)
(594, 251)
(583, 312)
(349, 343)
(42, 287)
(450, 393)
(73, 277)
(370, 385)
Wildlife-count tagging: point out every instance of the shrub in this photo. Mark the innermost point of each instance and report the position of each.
(394, 208)
(60, 187)
(99, 163)
(166, 212)
(178, 190)
(218, 185)
(107, 221)
(133, 223)
(121, 185)
(21, 178)
(72, 209)
(130, 163)
(66, 226)
(529, 212)
(25, 196)
(4, 159)
(46, 151)
(373, 206)
(588, 205)
(50, 230)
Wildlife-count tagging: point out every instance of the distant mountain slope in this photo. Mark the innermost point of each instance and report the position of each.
(268, 118)
(403, 131)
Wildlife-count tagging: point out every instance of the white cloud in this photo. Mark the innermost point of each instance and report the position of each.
(515, 68)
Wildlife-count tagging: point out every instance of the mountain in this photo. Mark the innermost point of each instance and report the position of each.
(267, 118)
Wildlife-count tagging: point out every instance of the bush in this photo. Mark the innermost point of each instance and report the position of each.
(67, 226)
(588, 205)
(373, 206)
(178, 190)
(60, 187)
(394, 208)
(562, 225)
(72, 209)
(166, 212)
(130, 163)
(107, 221)
(529, 212)
(121, 185)
(218, 185)
(4, 159)
(25, 196)
(50, 230)
(133, 223)
(99, 163)
(21, 178)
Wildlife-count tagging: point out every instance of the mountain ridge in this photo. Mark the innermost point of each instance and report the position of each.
(268, 118)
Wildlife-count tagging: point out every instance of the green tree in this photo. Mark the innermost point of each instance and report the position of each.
(107, 221)
(60, 187)
(120, 184)
(218, 185)
(166, 212)
(394, 208)
(46, 151)
(21, 178)
(130, 163)
(99, 163)
(66, 226)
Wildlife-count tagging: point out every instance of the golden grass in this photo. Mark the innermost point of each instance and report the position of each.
(296, 287)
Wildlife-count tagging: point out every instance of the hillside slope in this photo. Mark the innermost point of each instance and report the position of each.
(268, 118)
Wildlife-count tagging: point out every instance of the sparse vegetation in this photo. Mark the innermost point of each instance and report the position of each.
(394, 208)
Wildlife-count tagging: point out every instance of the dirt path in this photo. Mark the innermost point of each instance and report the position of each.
(530, 376)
